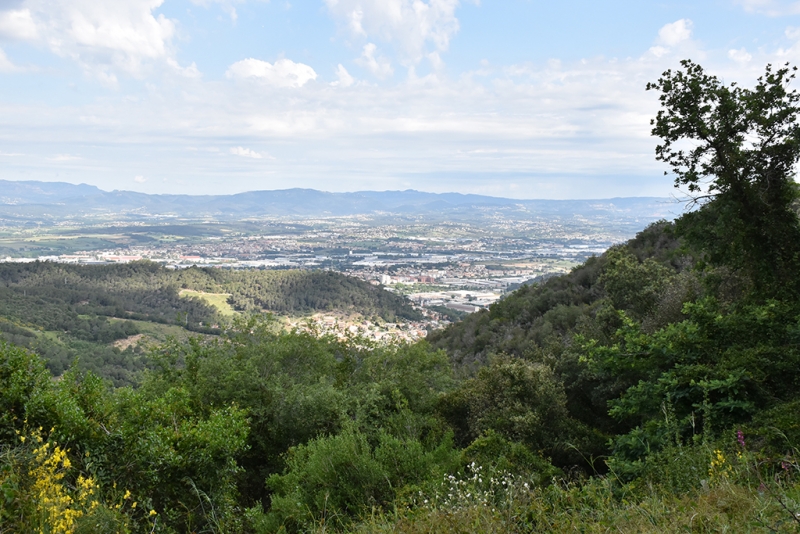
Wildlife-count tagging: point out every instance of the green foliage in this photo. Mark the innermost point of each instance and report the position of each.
(519, 400)
(303, 291)
(634, 285)
(600, 505)
(498, 456)
(745, 144)
(64, 312)
(775, 431)
(296, 387)
(171, 459)
(333, 479)
(713, 368)
(181, 461)
(23, 380)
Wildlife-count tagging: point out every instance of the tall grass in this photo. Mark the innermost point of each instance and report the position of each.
(736, 491)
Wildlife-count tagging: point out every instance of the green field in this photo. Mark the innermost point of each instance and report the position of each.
(158, 333)
(217, 300)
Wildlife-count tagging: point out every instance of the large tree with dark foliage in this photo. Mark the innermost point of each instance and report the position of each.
(735, 150)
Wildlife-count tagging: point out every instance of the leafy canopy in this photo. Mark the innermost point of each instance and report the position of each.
(737, 147)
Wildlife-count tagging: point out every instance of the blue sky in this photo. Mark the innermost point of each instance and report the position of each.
(517, 98)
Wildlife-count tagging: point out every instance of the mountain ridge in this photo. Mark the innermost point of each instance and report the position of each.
(19, 198)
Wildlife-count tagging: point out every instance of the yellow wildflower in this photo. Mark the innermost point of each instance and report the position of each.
(719, 467)
(59, 508)
(54, 501)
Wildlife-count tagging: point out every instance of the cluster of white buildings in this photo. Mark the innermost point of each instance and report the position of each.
(461, 300)
(343, 328)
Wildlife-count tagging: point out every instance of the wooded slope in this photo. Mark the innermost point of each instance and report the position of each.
(62, 311)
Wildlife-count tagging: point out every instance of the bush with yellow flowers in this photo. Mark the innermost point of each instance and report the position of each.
(44, 493)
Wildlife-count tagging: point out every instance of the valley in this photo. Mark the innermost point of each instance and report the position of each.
(449, 255)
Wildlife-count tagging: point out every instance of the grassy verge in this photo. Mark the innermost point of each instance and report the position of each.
(599, 506)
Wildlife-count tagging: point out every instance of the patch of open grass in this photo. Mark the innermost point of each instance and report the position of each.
(158, 332)
(217, 300)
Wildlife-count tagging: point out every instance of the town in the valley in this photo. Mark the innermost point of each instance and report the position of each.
(446, 269)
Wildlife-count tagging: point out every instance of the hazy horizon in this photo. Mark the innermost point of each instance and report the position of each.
(672, 197)
(107, 190)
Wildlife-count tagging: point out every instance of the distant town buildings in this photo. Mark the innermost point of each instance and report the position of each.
(439, 267)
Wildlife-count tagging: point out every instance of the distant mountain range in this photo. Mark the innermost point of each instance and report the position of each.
(55, 200)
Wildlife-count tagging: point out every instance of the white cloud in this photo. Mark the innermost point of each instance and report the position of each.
(354, 22)
(771, 8)
(343, 77)
(5, 64)
(659, 51)
(562, 117)
(18, 25)
(414, 27)
(139, 179)
(675, 33)
(568, 117)
(282, 73)
(227, 6)
(109, 79)
(100, 35)
(187, 72)
(792, 53)
(435, 60)
(740, 56)
(245, 152)
(675, 36)
(379, 66)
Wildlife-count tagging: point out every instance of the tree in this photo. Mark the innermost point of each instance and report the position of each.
(735, 150)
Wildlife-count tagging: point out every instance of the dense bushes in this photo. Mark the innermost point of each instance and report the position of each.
(197, 441)
(619, 386)
(334, 479)
(636, 366)
(262, 430)
(148, 453)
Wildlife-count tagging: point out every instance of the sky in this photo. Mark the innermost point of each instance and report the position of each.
(511, 98)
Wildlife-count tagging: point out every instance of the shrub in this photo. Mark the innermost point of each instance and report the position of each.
(332, 480)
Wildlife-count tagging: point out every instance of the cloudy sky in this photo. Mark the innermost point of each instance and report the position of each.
(516, 98)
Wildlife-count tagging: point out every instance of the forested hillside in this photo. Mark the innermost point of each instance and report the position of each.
(540, 314)
(654, 389)
(66, 311)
